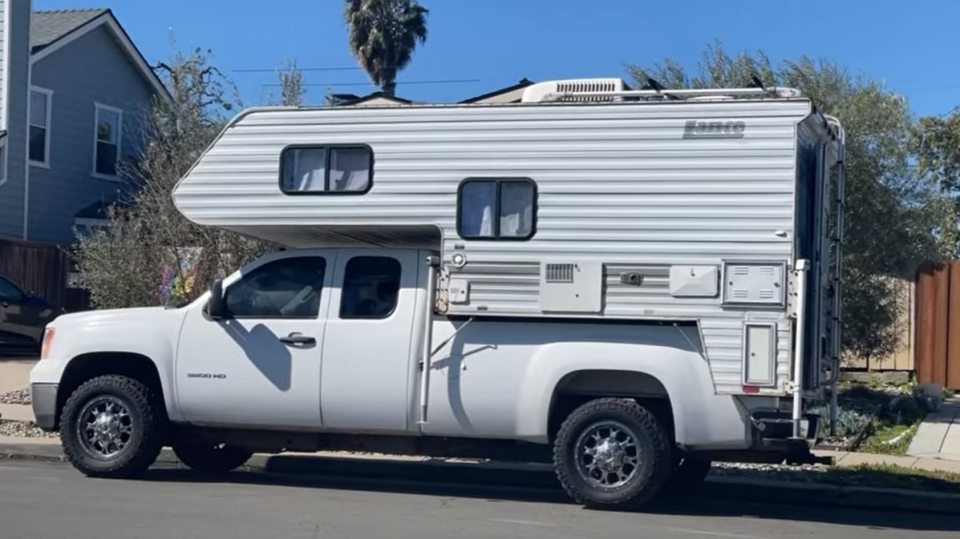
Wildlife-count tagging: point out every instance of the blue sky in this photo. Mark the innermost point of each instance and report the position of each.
(912, 46)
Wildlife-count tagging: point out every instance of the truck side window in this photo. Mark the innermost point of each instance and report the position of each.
(326, 170)
(497, 209)
(286, 288)
(371, 285)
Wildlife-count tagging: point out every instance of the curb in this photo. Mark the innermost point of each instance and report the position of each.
(540, 477)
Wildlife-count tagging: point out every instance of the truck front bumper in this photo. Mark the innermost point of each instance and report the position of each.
(44, 399)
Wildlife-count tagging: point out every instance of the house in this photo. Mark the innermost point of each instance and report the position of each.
(375, 98)
(509, 94)
(74, 92)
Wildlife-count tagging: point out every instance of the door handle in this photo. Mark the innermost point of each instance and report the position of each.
(296, 338)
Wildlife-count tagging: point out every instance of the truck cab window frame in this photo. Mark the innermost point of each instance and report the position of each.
(371, 288)
(292, 291)
(329, 169)
(497, 209)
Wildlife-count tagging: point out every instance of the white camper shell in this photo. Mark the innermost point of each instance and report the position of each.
(630, 283)
(689, 207)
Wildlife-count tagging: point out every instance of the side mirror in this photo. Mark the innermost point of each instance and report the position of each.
(216, 306)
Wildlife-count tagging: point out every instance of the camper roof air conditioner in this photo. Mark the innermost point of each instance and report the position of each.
(567, 90)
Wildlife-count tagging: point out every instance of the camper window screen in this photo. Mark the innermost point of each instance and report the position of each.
(337, 169)
(497, 209)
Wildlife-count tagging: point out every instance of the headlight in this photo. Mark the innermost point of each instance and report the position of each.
(48, 335)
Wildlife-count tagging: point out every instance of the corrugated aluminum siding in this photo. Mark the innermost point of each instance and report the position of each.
(617, 183)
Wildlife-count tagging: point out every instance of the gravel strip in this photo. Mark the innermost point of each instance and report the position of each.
(19, 396)
(23, 429)
(806, 473)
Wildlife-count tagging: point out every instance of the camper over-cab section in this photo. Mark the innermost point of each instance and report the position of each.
(587, 200)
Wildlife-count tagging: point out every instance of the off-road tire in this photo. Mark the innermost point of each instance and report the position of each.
(210, 458)
(148, 420)
(652, 440)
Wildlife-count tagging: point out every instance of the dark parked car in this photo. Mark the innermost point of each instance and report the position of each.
(22, 318)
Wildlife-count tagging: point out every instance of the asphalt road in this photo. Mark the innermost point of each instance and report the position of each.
(44, 500)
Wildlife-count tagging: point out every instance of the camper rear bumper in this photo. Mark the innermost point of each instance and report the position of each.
(773, 432)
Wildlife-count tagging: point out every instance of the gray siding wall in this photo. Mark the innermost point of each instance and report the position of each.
(11, 190)
(3, 48)
(92, 69)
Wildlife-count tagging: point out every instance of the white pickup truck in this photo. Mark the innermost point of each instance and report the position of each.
(313, 349)
(602, 284)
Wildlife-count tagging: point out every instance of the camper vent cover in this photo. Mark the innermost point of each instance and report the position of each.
(754, 283)
(568, 90)
(559, 273)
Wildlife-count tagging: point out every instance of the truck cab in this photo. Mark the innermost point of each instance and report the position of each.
(305, 339)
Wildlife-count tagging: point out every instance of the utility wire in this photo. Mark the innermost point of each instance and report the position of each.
(281, 68)
(399, 83)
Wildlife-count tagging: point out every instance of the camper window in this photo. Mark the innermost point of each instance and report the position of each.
(497, 209)
(326, 169)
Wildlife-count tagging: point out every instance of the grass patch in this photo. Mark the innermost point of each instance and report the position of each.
(893, 476)
(889, 439)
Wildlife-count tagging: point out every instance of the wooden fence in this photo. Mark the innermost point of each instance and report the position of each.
(41, 269)
(938, 324)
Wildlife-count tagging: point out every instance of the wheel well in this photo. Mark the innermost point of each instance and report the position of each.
(579, 387)
(88, 366)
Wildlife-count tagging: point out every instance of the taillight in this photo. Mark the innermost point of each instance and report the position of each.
(47, 343)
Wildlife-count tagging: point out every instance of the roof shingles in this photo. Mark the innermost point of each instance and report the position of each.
(47, 27)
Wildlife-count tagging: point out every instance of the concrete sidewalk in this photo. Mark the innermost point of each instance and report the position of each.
(15, 373)
(938, 437)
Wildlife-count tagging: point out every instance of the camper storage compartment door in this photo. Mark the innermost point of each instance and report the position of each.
(759, 354)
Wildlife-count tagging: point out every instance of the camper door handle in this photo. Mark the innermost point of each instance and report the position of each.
(298, 339)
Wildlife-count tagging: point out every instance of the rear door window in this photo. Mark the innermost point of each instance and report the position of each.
(371, 286)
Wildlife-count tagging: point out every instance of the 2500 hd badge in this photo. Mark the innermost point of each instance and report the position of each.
(217, 376)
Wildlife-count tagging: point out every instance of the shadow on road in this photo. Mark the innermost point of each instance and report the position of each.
(475, 481)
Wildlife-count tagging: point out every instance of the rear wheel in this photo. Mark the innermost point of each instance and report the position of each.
(112, 426)
(209, 457)
(612, 452)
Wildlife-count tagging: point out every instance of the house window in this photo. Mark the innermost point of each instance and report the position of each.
(497, 209)
(106, 144)
(326, 169)
(40, 109)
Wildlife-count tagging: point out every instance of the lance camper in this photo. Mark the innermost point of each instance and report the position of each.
(629, 283)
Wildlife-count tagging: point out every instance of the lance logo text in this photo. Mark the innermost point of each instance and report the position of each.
(713, 129)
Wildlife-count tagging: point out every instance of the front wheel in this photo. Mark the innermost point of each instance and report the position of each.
(612, 452)
(211, 458)
(112, 426)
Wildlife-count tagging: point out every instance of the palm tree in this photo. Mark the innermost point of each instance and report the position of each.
(383, 35)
